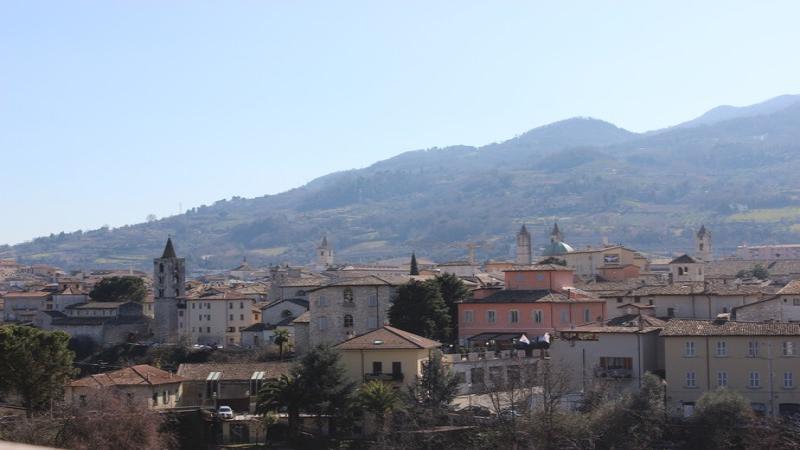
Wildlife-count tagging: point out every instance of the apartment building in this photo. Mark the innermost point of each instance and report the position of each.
(759, 360)
(216, 317)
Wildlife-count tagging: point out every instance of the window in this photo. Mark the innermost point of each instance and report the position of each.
(164, 397)
(372, 300)
(322, 301)
(231, 329)
(155, 398)
(670, 312)
(691, 379)
(230, 305)
(788, 348)
(230, 317)
(490, 316)
(619, 299)
(587, 315)
(193, 305)
(241, 305)
(796, 301)
(537, 316)
(689, 349)
(348, 321)
(565, 316)
(323, 323)
(637, 299)
(513, 316)
(377, 367)
(539, 277)
(180, 313)
(347, 295)
(208, 329)
(722, 348)
(241, 316)
(372, 323)
(476, 376)
(755, 380)
(752, 349)
(788, 380)
(722, 379)
(397, 369)
(469, 316)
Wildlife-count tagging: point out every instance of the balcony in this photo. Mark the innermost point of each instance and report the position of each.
(613, 373)
(383, 376)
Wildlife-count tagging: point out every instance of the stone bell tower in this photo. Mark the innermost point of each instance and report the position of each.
(703, 245)
(524, 249)
(169, 284)
(324, 254)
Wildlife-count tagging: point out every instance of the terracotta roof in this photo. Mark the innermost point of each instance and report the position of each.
(683, 259)
(792, 288)
(539, 267)
(303, 318)
(129, 376)
(691, 327)
(528, 296)
(296, 301)
(388, 337)
(96, 305)
(29, 294)
(234, 371)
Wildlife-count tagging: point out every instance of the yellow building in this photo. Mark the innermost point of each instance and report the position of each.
(759, 360)
(388, 354)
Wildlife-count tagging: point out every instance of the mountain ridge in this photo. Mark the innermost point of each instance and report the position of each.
(647, 190)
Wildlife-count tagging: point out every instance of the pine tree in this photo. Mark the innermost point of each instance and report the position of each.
(414, 267)
(420, 309)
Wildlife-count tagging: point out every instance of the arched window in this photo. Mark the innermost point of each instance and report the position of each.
(161, 267)
(348, 321)
(348, 295)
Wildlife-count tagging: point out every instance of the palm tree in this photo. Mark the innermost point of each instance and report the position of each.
(378, 398)
(283, 392)
(281, 337)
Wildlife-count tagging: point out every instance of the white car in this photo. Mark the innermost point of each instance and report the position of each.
(225, 412)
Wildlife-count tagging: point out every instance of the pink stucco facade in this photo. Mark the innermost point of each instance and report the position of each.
(538, 301)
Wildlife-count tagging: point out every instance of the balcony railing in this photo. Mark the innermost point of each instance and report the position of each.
(383, 376)
(613, 373)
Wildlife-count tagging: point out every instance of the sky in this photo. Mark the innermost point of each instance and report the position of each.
(113, 110)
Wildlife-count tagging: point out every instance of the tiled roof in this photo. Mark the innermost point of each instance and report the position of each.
(296, 301)
(687, 327)
(388, 337)
(96, 305)
(683, 259)
(527, 296)
(129, 376)
(623, 324)
(234, 371)
(303, 318)
(698, 288)
(539, 267)
(792, 288)
(730, 267)
(29, 294)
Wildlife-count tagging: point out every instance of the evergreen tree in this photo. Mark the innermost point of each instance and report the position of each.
(453, 291)
(420, 309)
(35, 364)
(437, 387)
(280, 339)
(119, 289)
(414, 267)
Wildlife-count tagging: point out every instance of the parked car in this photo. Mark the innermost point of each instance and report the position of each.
(475, 411)
(225, 412)
(509, 413)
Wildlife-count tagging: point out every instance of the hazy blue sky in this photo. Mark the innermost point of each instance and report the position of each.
(111, 110)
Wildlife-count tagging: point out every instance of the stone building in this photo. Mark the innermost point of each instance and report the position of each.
(324, 254)
(169, 284)
(524, 246)
(782, 307)
(141, 384)
(343, 309)
(703, 245)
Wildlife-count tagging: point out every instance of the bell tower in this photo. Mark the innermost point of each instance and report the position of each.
(524, 250)
(703, 245)
(324, 254)
(169, 284)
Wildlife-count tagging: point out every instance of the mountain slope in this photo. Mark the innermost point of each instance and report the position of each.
(728, 112)
(649, 191)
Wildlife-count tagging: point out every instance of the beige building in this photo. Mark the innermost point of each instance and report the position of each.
(757, 360)
(387, 354)
(612, 262)
(217, 317)
(210, 385)
(154, 387)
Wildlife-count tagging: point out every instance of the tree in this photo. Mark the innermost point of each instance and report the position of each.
(414, 267)
(281, 337)
(315, 385)
(635, 421)
(437, 387)
(379, 399)
(453, 291)
(420, 309)
(35, 364)
(725, 418)
(119, 289)
(151, 218)
(283, 392)
(760, 272)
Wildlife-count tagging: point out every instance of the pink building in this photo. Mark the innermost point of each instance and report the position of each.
(536, 300)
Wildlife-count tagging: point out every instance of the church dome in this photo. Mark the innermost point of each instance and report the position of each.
(556, 248)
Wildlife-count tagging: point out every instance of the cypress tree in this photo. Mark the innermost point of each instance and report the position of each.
(414, 267)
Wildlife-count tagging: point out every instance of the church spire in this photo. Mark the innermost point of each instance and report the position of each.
(169, 250)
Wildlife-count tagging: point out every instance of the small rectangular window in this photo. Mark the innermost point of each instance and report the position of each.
(788, 380)
(689, 349)
(691, 380)
(755, 380)
(537, 316)
(377, 367)
(752, 349)
(788, 348)
(469, 316)
(491, 316)
(372, 300)
(564, 316)
(722, 379)
(722, 348)
(513, 316)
